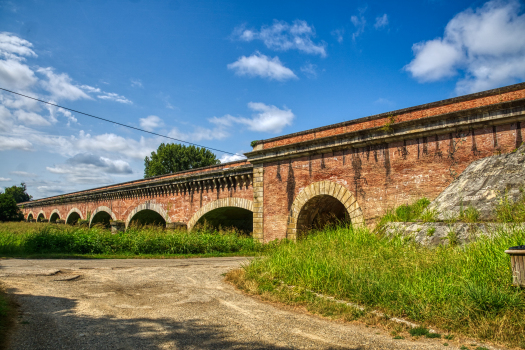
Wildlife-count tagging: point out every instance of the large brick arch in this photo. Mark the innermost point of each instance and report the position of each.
(32, 215)
(328, 188)
(98, 210)
(74, 210)
(149, 206)
(220, 203)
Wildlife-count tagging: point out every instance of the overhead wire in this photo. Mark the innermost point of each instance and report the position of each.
(117, 123)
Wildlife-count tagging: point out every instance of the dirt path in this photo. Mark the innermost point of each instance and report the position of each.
(163, 304)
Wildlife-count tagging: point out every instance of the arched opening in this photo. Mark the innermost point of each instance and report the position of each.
(30, 217)
(147, 217)
(54, 217)
(101, 218)
(73, 218)
(319, 212)
(41, 218)
(226, 217)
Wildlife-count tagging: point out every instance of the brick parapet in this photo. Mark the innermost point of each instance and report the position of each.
(461, 103)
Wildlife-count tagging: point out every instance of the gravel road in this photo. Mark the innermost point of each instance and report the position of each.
(164, 304)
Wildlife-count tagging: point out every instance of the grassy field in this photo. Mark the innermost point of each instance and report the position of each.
(460, 290)
(23, 239)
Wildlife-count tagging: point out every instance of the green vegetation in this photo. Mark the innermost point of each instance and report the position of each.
(511, 211)
(388, 126)
(9, 211)
(466, 290)
(408, 213)
(171, 158)
(31, 239)
(19, 193)
(254, 143)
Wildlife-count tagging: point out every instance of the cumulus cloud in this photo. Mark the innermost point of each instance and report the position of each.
(267, 118)
(31, 118)
(485, 47)
(262, 66)
(381, 21)
(283, 36)
(5, 179)
(60, 85)
(12, 143)
(232, 158)
(151, 122)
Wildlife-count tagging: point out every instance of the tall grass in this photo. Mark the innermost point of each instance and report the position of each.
(460, 289)
(32, 238)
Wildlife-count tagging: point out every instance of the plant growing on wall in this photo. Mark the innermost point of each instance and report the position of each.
(388, 127)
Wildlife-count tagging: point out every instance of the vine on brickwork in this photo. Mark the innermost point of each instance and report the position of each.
(388, 127)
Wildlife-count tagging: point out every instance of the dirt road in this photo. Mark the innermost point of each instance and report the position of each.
(163, 304)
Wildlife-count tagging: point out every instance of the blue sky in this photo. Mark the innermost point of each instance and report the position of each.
(224, 73)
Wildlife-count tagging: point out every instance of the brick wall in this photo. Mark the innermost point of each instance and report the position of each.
(382, 176)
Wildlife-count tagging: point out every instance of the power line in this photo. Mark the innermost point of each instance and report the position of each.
(111, 121)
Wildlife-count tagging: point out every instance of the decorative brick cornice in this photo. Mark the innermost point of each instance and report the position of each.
(496, 114)
(158, 186)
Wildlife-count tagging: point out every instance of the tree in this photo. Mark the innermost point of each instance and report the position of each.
(9, 211)
(18, 193)
(171, 158)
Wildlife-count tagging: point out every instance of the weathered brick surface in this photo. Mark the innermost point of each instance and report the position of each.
(179, 207)
(383, 176)
(418, 112)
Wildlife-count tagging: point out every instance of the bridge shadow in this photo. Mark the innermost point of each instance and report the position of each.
(56, 323)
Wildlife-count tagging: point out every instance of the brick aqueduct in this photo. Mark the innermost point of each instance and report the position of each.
(352, 170)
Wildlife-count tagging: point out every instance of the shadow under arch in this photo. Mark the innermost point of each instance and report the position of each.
(73, 216)
(30, 216)
(151, 215)
(55, 215)
(102, 215)
(320, 203)
(227, 212)
(41, 216)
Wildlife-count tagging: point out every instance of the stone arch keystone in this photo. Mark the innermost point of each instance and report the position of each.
(220, 203)
(328, 188)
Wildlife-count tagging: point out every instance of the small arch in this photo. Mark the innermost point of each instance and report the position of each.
(220, 207)
(102, 215)
(318, 203)
(55, 215)
(41, 216)
(30, 216)
(149, 214)
(73, 216)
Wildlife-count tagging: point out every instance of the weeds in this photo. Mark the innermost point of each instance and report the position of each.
(465, 289)
(409, 212)
(29, 238)
(511, 211)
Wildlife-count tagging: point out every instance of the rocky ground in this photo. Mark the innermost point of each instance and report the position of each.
(164, 304)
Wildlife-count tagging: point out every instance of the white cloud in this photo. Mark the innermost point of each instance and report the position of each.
(283, 36)
(111, 96)
(5, 179)
(268, 119)
(200, 133)
(13, 47)
(338, 33)
(136, 83)
(31, 118)
(151, 122)
(310, 70)
(359, 23)
(381, 21)
(484, 46)
(60, 85)
(16, 75)
(232, 158)
(23, 174)
(11, 143)
(262, 66)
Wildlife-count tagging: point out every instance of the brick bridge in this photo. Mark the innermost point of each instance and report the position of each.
(353, 170)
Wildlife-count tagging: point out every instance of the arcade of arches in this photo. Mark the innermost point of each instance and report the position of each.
(350, 172)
